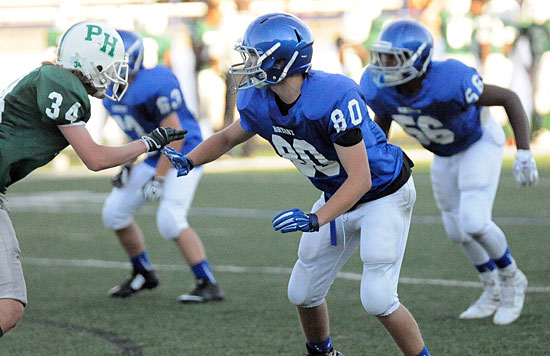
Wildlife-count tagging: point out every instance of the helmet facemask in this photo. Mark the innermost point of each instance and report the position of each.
(274, 46)
(394, 66)
(250, 73)
(100, 79)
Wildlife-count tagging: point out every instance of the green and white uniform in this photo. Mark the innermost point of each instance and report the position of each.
(31, 108)
(30, 111)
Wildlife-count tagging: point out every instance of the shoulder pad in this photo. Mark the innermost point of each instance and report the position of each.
(324, 92)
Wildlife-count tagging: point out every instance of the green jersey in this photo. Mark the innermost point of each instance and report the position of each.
(31, 108)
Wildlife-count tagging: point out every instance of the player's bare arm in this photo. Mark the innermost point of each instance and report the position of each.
(497, 96)
(356, 164)
(219, 143)
(97, 157)
(384, 123)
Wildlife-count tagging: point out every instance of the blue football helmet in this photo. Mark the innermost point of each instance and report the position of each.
(274, 46)
(133, 47)
(403, 52)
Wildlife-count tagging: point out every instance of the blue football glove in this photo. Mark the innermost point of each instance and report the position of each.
(182, 164)
(295, 220)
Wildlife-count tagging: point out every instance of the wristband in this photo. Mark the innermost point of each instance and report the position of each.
(313, 222)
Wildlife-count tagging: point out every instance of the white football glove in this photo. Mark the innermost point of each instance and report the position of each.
(525, 169)
(152, 189)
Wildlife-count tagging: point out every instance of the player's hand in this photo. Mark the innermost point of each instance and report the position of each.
(182, 164)
(161, 136)
(295, 220)
(121, 179)
(525, 169)
(152, 189)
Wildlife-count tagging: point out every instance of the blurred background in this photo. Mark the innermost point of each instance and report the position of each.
(508, 41)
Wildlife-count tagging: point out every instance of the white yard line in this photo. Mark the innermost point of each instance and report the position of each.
(90, 263)
(84, 202)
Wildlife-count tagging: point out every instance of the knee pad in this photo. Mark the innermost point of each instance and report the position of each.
(378, 293)
(299, 288)
(171, 220)
(115, 218)
(474, 213)
(454, 231)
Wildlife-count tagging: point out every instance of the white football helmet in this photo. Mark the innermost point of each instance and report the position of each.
(96, 50)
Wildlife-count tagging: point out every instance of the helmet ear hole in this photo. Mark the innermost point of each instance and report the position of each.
(279, 63)
(99, 68)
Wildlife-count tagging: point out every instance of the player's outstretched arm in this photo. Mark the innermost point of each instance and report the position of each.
(525, 167)
(497, 96)
(98, 157)
(219, 143)
(210, 149)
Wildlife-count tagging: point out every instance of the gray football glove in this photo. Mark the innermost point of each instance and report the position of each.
(161, 136)
(152, 189)
(525, 169)
(121, 179)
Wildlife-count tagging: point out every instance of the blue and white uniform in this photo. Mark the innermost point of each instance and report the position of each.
(153, 95)
(318, 119)
(445, 118)
(330, 106)
(442, 115)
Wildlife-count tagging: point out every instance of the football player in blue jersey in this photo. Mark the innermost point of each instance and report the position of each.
(319, 121)
(154, 98)
(442, 104)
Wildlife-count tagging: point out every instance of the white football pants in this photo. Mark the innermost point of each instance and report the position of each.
(464, 186)
(177, 196)
(12, 281)
(380, 228)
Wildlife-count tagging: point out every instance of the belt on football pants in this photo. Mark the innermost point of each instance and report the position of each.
(394, 186)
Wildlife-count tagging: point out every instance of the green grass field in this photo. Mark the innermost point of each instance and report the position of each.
(70, 261)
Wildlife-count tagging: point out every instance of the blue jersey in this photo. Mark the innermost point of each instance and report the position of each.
(442, 115)
(151, 97)
(329, 106)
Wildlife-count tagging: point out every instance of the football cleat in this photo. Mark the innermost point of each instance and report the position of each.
(489, 301)
(333, 352)
(205, 291)
(138, 281)
(513, 296)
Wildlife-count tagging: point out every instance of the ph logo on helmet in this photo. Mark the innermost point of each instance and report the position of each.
(96, 50)
(108, 40)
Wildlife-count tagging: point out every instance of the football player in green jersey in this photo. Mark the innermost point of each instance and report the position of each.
(45, 111)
